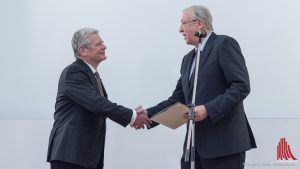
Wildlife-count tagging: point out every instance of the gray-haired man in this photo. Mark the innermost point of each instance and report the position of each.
(77, 138)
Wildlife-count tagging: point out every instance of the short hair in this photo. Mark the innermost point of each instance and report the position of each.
(202, 13)
(81, 39)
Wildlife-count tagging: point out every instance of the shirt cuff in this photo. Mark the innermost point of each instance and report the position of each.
(133, 117)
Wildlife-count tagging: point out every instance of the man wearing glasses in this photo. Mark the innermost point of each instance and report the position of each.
(222, 131)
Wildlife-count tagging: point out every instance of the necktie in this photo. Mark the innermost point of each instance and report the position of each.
(99, 82)
(192, 77)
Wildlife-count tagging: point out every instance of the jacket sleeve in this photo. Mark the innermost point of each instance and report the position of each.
(236, 75)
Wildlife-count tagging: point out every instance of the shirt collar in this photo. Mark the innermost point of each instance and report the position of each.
(91, 67)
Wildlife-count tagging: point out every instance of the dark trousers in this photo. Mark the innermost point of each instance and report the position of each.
(63, 165)
(234, 161)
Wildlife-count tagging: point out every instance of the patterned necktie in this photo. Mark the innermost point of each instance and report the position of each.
(99, 82)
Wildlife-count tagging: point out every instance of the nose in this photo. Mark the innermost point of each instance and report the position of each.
(103, 47)
(180, 29)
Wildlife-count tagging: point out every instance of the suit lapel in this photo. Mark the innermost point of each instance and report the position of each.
(207, 49)
(186, 72)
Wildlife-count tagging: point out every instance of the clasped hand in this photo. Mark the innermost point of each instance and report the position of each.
(142, 119)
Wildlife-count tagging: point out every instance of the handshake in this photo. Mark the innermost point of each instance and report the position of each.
(142, 119)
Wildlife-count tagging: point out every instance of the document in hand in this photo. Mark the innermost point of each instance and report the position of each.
(173, 116)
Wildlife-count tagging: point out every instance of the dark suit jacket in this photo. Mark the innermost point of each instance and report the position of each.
(223, 84)
(78, 133)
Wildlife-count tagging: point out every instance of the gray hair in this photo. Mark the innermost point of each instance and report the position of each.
(81, 39)
(202, 13)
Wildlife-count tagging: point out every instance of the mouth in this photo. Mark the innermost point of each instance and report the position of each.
(184, 36)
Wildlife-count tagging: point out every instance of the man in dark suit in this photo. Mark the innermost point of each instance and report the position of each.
(222, 131)
(78, 135)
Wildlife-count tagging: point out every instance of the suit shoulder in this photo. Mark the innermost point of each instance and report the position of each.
(225, 38)
(73, 70)
(74, 67)
(189, 54)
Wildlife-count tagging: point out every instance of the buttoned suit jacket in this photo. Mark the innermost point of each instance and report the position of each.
(78, 133)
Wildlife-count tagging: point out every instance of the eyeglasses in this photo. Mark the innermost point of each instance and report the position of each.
(185, 22)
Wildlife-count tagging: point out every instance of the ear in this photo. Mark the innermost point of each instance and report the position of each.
(200, 25)
(82, 51)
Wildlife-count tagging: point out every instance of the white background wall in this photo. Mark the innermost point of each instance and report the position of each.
(144, 54)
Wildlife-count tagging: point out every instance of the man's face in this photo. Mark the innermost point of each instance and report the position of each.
(189, 27)
(95, 52)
